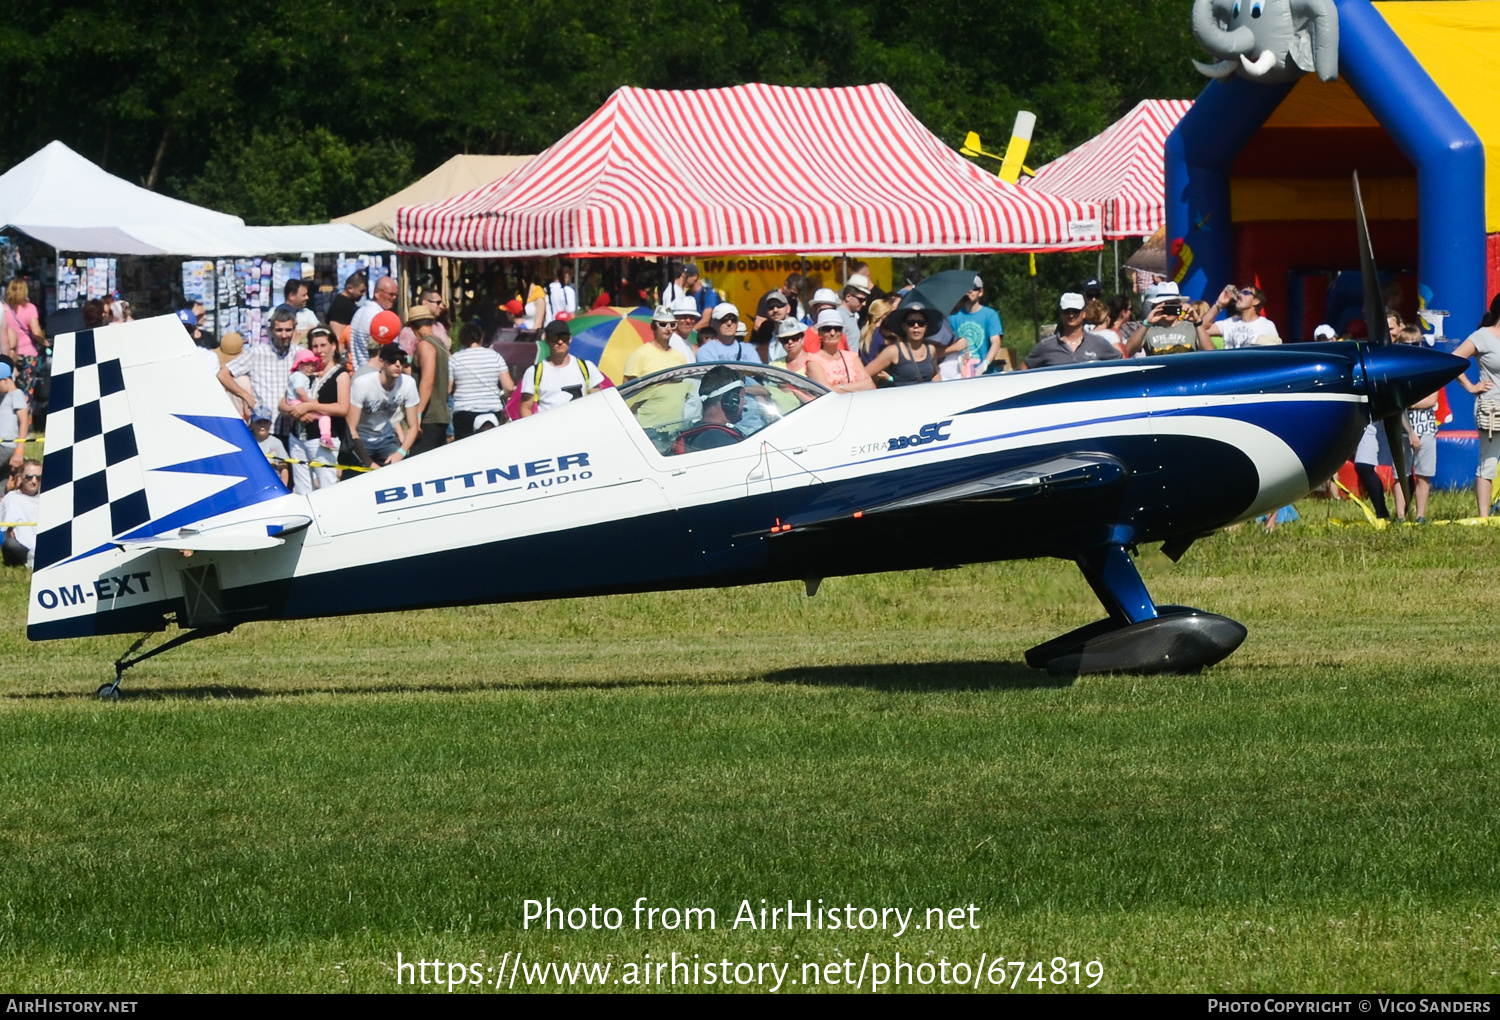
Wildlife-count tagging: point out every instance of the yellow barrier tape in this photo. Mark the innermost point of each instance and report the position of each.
(1370, 518)
(1379, 523)
(317, 464)
(1466, 522)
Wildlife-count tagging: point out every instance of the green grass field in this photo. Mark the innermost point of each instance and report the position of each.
(290, 806)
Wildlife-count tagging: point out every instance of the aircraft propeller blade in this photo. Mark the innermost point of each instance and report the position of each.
(1380, 336)
(1379, 330)
(1395, 435)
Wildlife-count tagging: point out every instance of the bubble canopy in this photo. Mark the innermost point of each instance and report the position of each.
(710, 404)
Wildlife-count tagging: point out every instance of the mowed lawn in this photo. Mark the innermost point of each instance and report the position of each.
(290, 806)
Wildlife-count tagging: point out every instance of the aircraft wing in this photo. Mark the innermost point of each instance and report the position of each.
(1065, 474)
(1045, 478)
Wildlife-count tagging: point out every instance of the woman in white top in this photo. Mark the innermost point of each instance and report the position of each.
(478, 379)
(1484, 345)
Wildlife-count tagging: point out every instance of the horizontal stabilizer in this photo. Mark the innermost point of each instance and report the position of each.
(203, 543)
(243, 537)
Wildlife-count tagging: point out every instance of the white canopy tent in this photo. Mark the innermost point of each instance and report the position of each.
(63, 200)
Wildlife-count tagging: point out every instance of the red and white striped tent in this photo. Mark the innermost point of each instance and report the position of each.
(1122, 169)
(754, 168)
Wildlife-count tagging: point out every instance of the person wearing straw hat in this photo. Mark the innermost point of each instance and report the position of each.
(430, 366)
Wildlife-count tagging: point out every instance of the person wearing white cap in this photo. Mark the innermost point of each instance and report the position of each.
(977, 347)
(685, 314)
(792, 337)
(1070, 345)
(839, 370)
(823, 298)
(1167, 329)
(656, 355)
(659, 404)
(1324, 332)
(856, 293)
(723, 344)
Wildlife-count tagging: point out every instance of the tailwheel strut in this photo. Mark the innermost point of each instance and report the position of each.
(111, 691)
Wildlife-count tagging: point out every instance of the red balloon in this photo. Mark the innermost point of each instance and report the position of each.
(385, 327)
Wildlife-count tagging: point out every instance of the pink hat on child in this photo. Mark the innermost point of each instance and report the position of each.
(302, 357)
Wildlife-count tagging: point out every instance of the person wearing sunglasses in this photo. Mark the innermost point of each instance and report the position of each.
(433, 302)
(1071, 344)
(909, 358)
(1247, 327)
(723, 344)
(19, 511)
(839, 370)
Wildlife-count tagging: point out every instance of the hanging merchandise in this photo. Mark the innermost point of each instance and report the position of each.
(197, 283)
(374, 266)
(96, 275)
(67, 283)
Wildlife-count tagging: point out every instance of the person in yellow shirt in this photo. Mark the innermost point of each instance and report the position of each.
(659, 405)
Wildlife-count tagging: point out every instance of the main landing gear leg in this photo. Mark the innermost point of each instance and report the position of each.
(1138, 636)
(111, 691)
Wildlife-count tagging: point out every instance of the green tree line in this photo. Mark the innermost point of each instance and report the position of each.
(297, 112)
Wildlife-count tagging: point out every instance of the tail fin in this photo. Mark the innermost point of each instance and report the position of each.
(141, 440)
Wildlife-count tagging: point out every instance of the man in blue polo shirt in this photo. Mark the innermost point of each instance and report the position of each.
(724, 345)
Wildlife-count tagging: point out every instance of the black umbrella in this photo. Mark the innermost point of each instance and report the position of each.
(942, 291)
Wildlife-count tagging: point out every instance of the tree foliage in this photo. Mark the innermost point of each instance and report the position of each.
(297, 176)
(197, 99)
(295, 112)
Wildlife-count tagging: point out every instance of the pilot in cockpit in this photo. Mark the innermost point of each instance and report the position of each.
(723, 395)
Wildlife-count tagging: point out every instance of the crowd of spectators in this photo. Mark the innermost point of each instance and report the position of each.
(359, 388)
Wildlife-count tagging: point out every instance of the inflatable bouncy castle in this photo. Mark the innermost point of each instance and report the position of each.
(1304, 93)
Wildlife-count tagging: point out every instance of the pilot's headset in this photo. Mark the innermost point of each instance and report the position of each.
(730, 395)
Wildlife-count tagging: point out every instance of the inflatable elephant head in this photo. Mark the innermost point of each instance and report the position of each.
(1268, 40)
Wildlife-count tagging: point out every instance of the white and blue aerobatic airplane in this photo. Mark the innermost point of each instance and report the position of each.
(147, 462)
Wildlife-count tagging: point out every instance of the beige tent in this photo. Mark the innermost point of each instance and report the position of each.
(455, 177)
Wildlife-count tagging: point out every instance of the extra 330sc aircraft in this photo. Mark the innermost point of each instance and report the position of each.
(147, 462)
